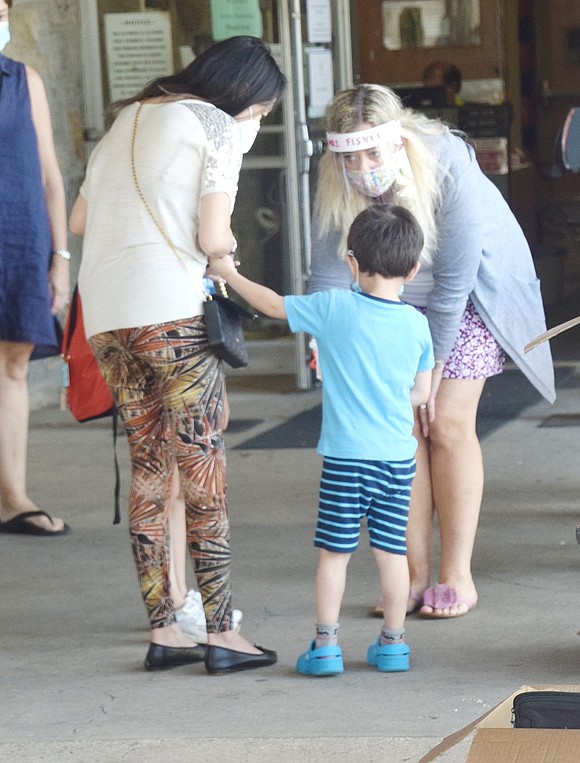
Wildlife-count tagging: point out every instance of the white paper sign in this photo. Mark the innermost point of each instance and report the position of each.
(320, 80)
(318, 21)
(139, 49)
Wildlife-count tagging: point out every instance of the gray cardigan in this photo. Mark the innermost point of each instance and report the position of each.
(481, 253)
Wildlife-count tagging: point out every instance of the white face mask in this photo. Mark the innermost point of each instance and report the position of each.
(249, 130)
(4, 35)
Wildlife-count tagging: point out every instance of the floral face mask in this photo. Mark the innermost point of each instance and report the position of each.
(374, 182)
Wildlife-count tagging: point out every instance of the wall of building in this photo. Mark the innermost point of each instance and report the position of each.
(46, 35)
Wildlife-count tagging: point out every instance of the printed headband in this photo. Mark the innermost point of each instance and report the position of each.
(373, 137)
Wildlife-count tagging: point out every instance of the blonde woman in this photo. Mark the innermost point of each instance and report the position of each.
(477, 286)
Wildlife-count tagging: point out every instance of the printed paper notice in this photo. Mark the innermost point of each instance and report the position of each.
(320, 80)
(233, 17)
(139, 49)
(318, 21)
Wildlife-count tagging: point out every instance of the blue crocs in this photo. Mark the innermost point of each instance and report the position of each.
(324, 661)
(389, 658)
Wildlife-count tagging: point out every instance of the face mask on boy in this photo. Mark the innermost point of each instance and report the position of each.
(355, 285)
(4, 35)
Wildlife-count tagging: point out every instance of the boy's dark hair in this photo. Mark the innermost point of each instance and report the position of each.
(386, 239)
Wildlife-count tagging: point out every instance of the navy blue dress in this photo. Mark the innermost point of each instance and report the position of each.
(25, 238)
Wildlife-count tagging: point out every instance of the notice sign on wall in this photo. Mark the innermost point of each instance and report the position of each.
(232, 17)
(138, 49)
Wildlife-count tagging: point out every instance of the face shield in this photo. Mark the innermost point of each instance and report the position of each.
(371, 159)
(368, 157)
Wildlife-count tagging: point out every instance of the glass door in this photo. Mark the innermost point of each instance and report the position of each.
(126, 43)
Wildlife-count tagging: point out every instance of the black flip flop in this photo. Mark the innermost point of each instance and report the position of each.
(20, 525)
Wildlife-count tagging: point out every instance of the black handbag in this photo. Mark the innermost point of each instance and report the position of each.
(225, 330)
(546, 710)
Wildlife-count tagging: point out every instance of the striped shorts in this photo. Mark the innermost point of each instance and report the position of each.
(351, 490)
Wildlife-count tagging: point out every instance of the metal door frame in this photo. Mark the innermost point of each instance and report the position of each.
(299, 146)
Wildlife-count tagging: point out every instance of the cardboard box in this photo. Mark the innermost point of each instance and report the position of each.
(496, 741)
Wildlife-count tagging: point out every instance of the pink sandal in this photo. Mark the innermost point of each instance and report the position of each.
(443, 596)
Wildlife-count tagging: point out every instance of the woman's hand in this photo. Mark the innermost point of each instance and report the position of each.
(210, 272)
(221, 268)
(59, 284)
(427, 410)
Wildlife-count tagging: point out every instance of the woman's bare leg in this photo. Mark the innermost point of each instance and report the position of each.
(457, 480)
(14, 415)
(173, 635)
(177, 571)
(420, 527)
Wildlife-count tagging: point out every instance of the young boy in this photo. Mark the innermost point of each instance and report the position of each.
(376, 357)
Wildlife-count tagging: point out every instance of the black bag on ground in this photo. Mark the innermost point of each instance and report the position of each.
(225, 329)
(546, 710)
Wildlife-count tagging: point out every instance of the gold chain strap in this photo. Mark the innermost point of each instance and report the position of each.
(138, 187)
(220, 284)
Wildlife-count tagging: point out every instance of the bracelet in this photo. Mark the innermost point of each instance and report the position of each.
(64, 253)
(440, 363)
(234, 248)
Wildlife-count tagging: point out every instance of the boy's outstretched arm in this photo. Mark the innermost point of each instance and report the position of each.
(261, 297)
(421, 390)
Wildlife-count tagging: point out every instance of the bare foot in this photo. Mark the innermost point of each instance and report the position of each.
(414, 602)
(377, 610)
(415, 598)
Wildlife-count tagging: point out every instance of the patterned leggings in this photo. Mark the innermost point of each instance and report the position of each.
(170, 393)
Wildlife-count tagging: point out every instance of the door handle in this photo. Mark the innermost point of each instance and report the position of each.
(305, 147)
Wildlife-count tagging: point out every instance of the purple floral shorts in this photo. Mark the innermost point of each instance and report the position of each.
(475, 354)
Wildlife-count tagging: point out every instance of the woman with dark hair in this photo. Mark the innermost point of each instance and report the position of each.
(34, 273)
(228, 74)
(155, 209)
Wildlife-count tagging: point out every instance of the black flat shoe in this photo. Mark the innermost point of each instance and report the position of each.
(218, 659)
(161, 657)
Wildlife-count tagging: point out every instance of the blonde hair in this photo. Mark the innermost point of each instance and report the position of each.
(337, 202)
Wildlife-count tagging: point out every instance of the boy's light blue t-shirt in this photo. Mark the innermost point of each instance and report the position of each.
(369, 351)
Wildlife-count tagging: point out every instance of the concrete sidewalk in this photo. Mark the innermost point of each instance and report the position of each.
(74, 631)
